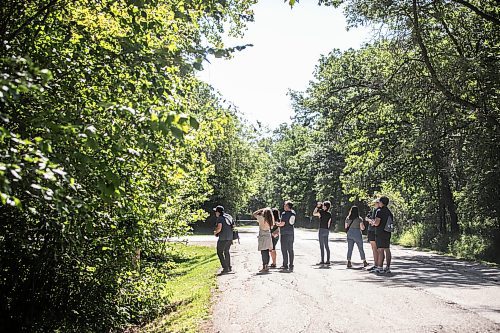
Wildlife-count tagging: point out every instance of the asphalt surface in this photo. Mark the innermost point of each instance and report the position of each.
(424, 293)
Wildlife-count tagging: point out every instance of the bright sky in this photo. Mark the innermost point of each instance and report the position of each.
(287, 46)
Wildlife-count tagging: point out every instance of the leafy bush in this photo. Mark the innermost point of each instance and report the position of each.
(105, 138)
(470, 247)
(413, 237)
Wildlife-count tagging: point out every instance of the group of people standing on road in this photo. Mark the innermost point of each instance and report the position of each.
(274, 226)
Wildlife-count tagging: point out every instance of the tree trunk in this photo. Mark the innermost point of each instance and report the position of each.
(449, 202)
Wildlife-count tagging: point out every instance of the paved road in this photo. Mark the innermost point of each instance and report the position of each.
(425, 292)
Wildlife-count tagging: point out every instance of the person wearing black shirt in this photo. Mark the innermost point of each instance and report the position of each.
(382, 237)
(325, 219)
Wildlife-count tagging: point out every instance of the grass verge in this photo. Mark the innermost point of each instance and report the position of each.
(192, 284)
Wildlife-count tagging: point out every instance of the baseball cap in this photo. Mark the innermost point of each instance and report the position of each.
(219, 209)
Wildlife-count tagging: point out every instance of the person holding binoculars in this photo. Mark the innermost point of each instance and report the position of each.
(325, 219)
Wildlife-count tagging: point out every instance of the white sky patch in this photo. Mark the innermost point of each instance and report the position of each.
(287, 46)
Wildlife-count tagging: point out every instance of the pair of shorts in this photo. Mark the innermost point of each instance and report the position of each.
(275, 241)
(383, 239)
(371, 236)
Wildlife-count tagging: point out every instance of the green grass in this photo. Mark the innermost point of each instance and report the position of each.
(192, 286)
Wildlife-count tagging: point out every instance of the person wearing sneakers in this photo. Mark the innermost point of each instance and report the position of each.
(325, 219)
(371, 232)
(354, 225)
(275, 235)
(286, 223)
(382, 237)
(224, 231)
(266, 221)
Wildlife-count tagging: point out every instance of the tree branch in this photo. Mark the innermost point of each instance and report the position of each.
(31, 19)
(476, 10)
(430, 68)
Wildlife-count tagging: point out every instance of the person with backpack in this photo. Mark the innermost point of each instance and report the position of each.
(286, 223)
(354, 226)
(383, 222)
(224, 231)
(325, 219)
(266, 221)
(275, 235)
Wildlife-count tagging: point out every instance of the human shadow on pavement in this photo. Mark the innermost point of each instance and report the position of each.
(322, 267)
(438, 271)
(355, 268)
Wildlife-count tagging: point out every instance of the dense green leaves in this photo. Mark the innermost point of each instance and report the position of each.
(414, 115)
(106, 139)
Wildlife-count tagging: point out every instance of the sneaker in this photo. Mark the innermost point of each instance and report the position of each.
(284, 267)
(290, 269)
(365, 263)
(320, 263)
(380, 271)
(328, 263)
(349, 265)
(387, 270)
(371, 269)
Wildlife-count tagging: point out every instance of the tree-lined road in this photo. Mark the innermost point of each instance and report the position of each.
(425, 292)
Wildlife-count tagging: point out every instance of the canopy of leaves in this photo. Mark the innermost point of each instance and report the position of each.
(106, 140)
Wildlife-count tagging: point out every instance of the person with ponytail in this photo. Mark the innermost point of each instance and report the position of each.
(265, 219)
(353, 226)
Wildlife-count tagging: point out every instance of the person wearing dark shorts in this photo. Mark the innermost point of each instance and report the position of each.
(371, 233)
(382, 237)
(275, 234)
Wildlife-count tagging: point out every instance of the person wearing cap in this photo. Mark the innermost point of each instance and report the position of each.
(371, 232)
(287, 235)
(382, 237)
(224, 231)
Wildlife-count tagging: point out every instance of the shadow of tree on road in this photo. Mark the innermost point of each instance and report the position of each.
(439, 271)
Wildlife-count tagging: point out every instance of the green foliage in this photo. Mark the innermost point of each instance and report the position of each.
(289, 169)
(413, 236)
(470, 247)
(105, 137)
(238, 165)
(414, 115)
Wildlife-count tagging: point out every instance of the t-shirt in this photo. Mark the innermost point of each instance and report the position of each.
(355, 224)
(289, 218)
(383, 214)
(325, 216)
(226, 232)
